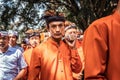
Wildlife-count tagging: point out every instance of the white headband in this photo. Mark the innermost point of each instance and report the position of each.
(70, 26)
(12, 33)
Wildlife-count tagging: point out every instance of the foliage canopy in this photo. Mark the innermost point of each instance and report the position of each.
(24, 14)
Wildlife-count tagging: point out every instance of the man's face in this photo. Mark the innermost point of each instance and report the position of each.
(12, 40)
(4, 40)
(71, 34)
(34, 41)
(56, 29)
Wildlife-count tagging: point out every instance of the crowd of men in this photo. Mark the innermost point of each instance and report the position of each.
(63, 55)
(57, 57)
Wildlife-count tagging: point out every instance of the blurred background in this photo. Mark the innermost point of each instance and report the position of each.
(21, 15)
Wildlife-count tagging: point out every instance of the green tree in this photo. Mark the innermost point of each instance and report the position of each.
(83, 12)
(24, 14)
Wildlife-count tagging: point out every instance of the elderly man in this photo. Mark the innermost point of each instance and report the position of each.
(71, 39)
(10, 60)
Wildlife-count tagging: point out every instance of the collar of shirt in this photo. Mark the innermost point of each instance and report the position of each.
(54, 42)
(10, 49)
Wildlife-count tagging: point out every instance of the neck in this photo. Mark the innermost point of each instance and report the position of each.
(13, 45)
(57, 40)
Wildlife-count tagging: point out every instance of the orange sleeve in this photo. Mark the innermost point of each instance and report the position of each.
(95, 51)
(26, 56)
(35, 65)
(76, 63)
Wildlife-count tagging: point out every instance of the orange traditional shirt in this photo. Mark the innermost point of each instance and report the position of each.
(51, 61)
(79, 76)
(101, 46)
(27, 55)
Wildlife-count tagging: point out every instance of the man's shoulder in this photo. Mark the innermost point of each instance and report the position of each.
(19, 47)
(28, 51)
(12, 50)
(41, 45)
(103, 20)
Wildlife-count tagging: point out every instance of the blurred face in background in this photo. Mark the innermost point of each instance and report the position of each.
(56, 29)
(4, 41)
(24, 45)
(34, 41)
(71, 34)
(12, 40)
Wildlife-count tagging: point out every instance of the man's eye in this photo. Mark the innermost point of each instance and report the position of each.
(74, 32)
(4, 38)
(60, 25)
(53, 26)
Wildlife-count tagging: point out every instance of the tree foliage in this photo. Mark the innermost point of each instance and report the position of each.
(23, 14)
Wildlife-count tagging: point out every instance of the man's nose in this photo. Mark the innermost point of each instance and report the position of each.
(57, 28)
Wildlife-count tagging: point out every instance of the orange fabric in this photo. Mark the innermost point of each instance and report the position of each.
(27, 55)
(53, 62)
(78, 76)
(42, 36)
(80, 52)
(101, 47)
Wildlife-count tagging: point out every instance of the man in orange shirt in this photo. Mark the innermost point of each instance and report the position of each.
(34, 40)
(101, 47)
(71, 39)
(52, 59)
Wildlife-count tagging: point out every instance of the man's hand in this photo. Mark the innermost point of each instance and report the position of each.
(71, 43)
